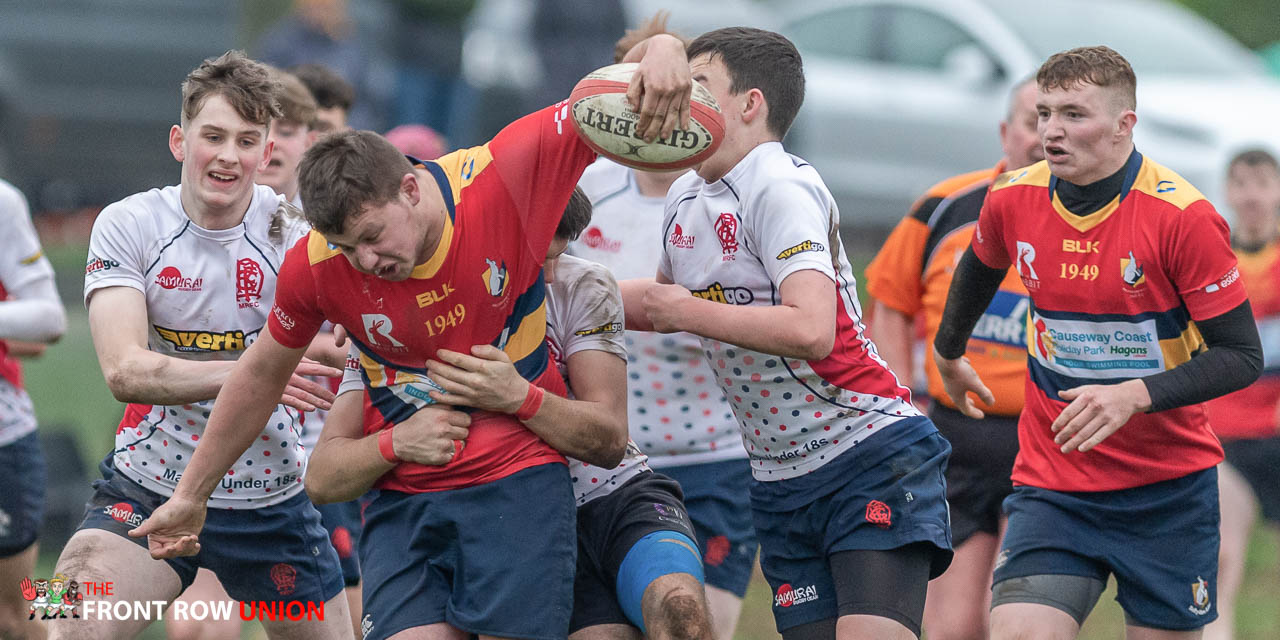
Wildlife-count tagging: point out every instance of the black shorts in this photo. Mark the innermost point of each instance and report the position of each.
(982, 454)
(1256, 460)
(23, 498)
(608, 527)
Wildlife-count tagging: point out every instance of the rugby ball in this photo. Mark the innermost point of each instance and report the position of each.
(607, 123)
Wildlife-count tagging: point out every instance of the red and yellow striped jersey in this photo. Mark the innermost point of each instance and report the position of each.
(483, 285)
(1114, 296)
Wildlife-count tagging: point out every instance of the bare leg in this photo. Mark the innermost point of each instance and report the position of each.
(14, 610)
(958, 601)
(94, 555)
(1239, 511)
(206, 587)
(1027, 621)
(335, 626)
(675, 608)
(725, 609)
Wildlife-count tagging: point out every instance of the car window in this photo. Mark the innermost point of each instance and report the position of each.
(1154, 37)
(847, 33)
(918, 38)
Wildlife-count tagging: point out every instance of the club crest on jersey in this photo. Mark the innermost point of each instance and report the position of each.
(679, 240)
(1199, 597)
(248, 282)
(1044, 341)
(1131, 271)
(1025, 257)
(377, 325)
(727, 233)
(495, 277)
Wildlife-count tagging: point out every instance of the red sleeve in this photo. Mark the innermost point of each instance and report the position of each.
(988, 239)
(1201, 264)
(296, 316)
(539, 159)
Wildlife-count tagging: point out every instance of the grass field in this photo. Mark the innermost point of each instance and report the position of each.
(67, 388)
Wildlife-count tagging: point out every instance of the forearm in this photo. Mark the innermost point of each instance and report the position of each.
(34, 319)
(147, 377)
(780, 330)
(633, 303)
(589, 431)
(342, 469)
(1232, 362)
(972, 288)
(892, 331)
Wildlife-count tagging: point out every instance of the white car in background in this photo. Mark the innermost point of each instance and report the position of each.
(903, 93)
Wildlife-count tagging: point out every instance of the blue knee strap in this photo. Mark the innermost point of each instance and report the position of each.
(651, 557)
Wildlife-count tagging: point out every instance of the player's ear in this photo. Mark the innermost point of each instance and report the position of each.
(410, 188)
(1124, 127)
(175, 143)
(754, 106)
(266, 154)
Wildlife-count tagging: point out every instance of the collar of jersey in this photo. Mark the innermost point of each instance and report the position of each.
(1087, 222)
(429, 268)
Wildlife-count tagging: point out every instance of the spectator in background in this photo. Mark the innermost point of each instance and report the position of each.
(428, 53)
(418, 140)
(333, 95)
(30, 311)
(1246, 421)
(571, 38)
(320, 31)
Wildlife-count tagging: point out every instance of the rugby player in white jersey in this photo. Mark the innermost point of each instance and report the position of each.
(676, 412)
(848, 488)
(30, 312)
(179, 282)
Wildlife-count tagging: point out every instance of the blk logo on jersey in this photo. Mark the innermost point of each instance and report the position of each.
(594, 238)
(727, 233)
(807, 245)
(377, 328)
(787, 596)
(248, 282)
(171, 278)
(717, 292)
(495, 278)
(1131, 271)
(679, 240)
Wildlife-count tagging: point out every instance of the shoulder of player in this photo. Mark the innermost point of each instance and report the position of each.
(1164, 184)
(948, 190)
(581, 276)
(603, 178)
(777, 175)
(148, 212)
(12, 201)
(1036, 175)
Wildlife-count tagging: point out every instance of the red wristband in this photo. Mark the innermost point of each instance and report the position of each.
(385, 446)
(532, 402)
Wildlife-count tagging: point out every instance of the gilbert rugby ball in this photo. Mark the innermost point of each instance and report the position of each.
(606, 122)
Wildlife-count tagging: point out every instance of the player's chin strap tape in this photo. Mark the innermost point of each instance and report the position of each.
(651, 557)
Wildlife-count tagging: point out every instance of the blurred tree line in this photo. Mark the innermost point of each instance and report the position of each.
(1256, 23)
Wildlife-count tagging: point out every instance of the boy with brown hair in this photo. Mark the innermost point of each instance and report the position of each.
(1130, 275)
(168, 322)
